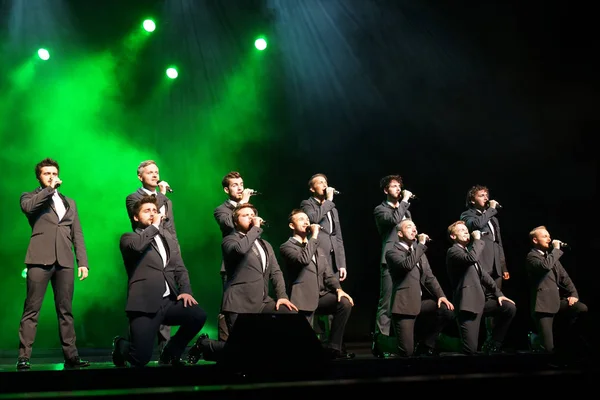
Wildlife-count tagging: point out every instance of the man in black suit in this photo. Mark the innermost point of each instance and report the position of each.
(159, 291)
(55, 232)
(321, 210)
(481, 214)
(148, 175)
(233, 186)
(250, 265)
(417, 295)
(468, 280)
(313, 287)
(388, 215)
(553, 293)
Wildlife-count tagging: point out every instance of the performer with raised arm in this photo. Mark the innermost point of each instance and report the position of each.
(159, 291)
(417, 296)
(55, 233)
(388, 215)
(468, 280)
(233, 186)
(147, 173)
(313, 287)
(250, 265)
(555, 305)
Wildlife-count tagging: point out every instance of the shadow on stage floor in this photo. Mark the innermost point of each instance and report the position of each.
(443, 375)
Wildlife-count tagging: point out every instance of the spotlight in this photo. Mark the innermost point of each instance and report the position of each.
(260, 44)
(172, 72)
(43, 54)
(149, 25)
(24, 273)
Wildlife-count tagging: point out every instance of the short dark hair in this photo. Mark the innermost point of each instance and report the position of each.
(472, 192)
(231, 175)
(236, 210)
(384, 183)
(46, 162)
(312, 178)
(294, 212)
(144, 200)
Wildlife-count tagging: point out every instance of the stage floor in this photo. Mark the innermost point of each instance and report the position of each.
(434, 375)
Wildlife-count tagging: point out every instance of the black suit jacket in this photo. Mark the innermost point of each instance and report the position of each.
(146, 272)
(317, 214)
(386, 219)
(467, 280)
(224, 217)
(308, 280)
(409, 279)
(168, 224)
(492, 258)
(548, 281)
(247, 286)
(52, 241)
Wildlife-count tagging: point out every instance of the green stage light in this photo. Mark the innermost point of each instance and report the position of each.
(43, 54)
(149, 25)
(260, 44)
(172, 72)
(24, 273)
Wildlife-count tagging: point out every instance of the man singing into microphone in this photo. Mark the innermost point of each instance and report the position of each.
(552, 291)
(56, 231)
(159, 291)
(250, 265)
(147, 173)
(233, 186)
(388, 215)
(469, 280)
(417, 297)
(481, 214)
(313, 287)
(321, 210)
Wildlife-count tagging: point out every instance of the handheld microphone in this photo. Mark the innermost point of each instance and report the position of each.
(336, 191)
(498, 205)
(564, 245)
(168, 188)
(255, 192)
(412, 196)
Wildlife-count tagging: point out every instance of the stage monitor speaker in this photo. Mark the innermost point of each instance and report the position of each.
(273, 342)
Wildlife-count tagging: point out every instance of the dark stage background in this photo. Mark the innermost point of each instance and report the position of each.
(446, 94)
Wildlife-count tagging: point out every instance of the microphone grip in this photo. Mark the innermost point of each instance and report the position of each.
(499, 206)
(168, 188)
(564, 245)
(336, 191)
(255, 192)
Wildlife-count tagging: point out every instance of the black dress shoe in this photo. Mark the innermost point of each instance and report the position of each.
(76, 362)
(23, 363)
(167, 359)
(426, 351)
(117, 357)
(195, 353)
(375, 350)
(340, 355)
